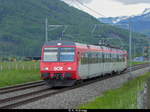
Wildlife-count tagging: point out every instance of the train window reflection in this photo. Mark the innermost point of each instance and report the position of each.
(67, 56)
(51, 54)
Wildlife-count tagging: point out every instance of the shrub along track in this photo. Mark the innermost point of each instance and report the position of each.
(16, 101)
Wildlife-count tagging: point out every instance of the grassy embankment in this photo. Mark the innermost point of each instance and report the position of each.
(121, 98)
(12, 73)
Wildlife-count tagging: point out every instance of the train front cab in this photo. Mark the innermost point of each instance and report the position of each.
(59, 65)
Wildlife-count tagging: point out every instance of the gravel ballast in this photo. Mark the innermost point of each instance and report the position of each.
(73, 98)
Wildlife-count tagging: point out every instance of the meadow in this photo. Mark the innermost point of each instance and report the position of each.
(12, 73)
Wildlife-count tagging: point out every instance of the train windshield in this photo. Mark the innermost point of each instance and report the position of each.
(51, 54)
(67, 54)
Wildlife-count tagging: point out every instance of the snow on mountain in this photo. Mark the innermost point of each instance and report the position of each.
(146, 11)
(145, 15)
(118, 19)
(140, 22)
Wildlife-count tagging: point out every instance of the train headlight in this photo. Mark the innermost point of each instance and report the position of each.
(69, 68)
(59, 44)
(45, 68)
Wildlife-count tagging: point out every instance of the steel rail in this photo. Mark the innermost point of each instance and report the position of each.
(21, 87)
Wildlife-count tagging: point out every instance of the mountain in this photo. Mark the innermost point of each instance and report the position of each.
(140, 23)
(22, 24)
(113, 20)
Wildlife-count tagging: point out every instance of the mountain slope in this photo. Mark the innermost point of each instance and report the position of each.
(22, 24)
(140, 23)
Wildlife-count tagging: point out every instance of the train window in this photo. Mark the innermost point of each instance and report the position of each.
(89, 58)
(107, 58)
(50, 54)
(94, 57)
(84, 58)
(67, 54)
(113, 57)
(116, 60)
(99, 57)
(110, 60)
(120, 58)
(104, 57)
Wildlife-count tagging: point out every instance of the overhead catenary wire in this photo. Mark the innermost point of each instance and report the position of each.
(71, 2)
(78, 5)
(90, 8)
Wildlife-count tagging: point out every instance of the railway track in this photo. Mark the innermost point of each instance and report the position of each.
(16, 101)
(21, 87)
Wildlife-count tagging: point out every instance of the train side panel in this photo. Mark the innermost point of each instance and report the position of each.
(105, 64)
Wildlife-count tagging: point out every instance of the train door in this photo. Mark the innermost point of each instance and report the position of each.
(100, 58)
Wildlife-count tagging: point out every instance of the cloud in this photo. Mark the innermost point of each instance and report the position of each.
(83, 1)
(127, 2)
(133, 1)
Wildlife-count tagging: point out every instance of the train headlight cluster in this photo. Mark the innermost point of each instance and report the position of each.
(69, 68)
(46, 68)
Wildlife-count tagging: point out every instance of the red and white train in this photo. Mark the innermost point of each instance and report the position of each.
(63, 63)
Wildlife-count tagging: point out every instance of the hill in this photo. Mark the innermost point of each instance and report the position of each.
(140, 23)
(22, 24)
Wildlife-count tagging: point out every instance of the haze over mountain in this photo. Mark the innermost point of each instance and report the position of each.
(140, 23)
(22, 24)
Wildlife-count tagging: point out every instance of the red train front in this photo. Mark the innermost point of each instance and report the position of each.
(59, 63)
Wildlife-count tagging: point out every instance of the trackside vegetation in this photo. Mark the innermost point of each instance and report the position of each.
(124, 97)
(136, 63)
(12, 73)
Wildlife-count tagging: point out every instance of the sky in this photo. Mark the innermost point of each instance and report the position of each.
(112, 8)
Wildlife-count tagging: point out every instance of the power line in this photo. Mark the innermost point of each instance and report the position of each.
(78, 5)
(90, 8)
(71, 2)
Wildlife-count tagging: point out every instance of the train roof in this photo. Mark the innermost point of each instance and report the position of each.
(71, 43)
(62, 42)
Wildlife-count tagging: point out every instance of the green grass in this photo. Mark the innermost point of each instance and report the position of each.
(121, 98)
(136, 63)
(19, 65)
(13, 73)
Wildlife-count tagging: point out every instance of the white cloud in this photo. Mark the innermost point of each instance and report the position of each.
(83, 1)
(122, 1)
(133, 1)
(113, 8)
